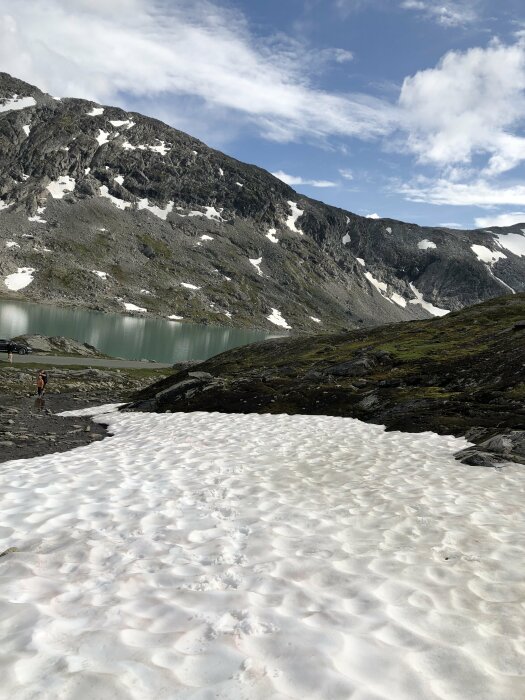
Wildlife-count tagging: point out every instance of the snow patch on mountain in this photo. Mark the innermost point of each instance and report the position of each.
(276, 318)
(256, 262)
(20, 279)
(381, 287)
(102, 137)
(119, 203)
(271, 235)
(515, 242)
(99, 273)
(95, 112)
(156, 210)
(59, 188)
(188, 285)
(346, 239)
(426, 244)
(37, 218)
(127, 123)
(160, 148)
(134, 307)
(291, 221)
(398, 299)
(16, 102)
(26, 128)
(486, 255)
(434, 310)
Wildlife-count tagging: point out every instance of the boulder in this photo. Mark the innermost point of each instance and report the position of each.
(504, 447)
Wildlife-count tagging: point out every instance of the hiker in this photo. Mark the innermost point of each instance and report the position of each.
(10, 349)
(41, 382)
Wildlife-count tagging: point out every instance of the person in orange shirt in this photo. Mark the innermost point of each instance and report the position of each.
(40, 383)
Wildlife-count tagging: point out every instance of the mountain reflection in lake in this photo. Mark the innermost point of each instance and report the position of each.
(123, 336)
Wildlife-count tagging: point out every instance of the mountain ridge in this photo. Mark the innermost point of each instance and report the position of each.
(106, 209)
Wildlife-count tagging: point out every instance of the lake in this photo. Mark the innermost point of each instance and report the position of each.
(123, 336)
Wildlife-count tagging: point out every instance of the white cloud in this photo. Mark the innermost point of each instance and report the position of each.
(453, 13)
(468, 105)
(297, 180)
(150, 48)
(346, 173)
(373, 216)
(515, 217)
(479, 193)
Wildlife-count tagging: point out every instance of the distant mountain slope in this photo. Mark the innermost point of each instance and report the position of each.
(110, 210)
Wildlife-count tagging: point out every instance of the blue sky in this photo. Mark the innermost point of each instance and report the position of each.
(408, 109)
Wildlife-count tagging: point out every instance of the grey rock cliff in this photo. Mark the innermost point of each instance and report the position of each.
(108, 208)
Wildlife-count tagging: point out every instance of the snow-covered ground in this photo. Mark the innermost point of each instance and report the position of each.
(261, 558)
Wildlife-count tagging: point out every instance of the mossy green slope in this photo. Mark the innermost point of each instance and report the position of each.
(462, 374)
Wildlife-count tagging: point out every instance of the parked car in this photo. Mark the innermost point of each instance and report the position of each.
(19, 348)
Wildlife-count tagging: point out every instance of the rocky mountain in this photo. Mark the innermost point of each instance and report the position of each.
(463, 374)
(106, 209)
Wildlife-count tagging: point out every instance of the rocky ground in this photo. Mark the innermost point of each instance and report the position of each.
(30, 427)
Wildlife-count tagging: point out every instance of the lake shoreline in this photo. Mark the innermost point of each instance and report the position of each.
(130, 337)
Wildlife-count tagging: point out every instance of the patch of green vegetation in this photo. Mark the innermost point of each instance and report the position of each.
(101, 243)
(425, 392)
(59, 278)
(118, 272)
(159, 247)
(517, 392)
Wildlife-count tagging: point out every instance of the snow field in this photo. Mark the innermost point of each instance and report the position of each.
(486, 255)
(20, 279)
(154, 209)
(434, 310)
(59, 188)
(133, 307)
(16, 102)
(515, 242)
(261, 557)
(256, 262)
(425, 244)
(277, 319)
(291, 220)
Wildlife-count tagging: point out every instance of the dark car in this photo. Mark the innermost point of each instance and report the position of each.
(20, 348)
